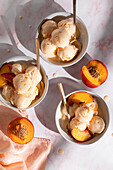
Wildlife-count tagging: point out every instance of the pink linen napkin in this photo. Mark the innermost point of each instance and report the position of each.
(31, 156)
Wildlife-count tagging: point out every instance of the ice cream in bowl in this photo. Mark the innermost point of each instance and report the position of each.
(88, 120)
(22, 85)
(56, 33)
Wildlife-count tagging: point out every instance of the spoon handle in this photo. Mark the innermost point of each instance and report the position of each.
(37, 53)
(74, 15)
(62, 92)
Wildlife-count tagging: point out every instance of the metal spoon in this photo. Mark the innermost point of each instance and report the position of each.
(74, 41)
(64, 106)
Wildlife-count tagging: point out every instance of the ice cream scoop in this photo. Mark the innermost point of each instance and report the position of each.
(74, 123)
(34, 74)
(16, 68)
(69, 26)
(60, 37)
(96, 125)
(48, 27)
(84, 113)
(22, 83)
(7, 92)
(48, 48)
(67, 53)
(20, 100)
(24, 100)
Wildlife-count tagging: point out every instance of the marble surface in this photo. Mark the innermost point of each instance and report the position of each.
(17, 35)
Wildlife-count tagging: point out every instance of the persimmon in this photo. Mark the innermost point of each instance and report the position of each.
(94, 74)
(21, 130)
(6, 68)
(80, 97)
(80, 135)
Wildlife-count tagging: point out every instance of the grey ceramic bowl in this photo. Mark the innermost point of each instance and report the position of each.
(58, 16)
(31, 60)
(104, 113)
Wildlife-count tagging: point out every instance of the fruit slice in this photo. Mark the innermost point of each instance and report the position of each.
(80, 135)
(8, 76)
(80, 97)
(5, 69)
(94, 74)
(21, 130)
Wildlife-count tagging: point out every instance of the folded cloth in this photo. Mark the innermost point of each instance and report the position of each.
(13, 156)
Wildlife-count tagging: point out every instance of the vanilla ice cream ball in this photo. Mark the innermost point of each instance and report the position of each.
(83, 113)
(16, 68)
(69, 26)
(60, 37)
(67, 53)
(48, 27)
(22, 83)
(7, 92)
(96, 124)
(20, 100)
(48, 48)
(32, 92)
(74, 123)
(34, 74)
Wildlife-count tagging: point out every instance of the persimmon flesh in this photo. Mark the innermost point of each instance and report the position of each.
(94, 74)
(21, 130)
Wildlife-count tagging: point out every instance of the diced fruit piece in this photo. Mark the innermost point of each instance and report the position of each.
(4, 69)
(80, 97)
(94, 74)
(80, 135)
(2, 81)
(21, 130)
(8, 76)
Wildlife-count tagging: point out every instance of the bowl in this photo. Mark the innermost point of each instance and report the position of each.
(104, 113)
(83, 37)
(31, 60)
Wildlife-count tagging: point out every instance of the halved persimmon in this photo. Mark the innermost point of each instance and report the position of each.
(80, 135)
(21, 130)
(80, 97)
(94, 74)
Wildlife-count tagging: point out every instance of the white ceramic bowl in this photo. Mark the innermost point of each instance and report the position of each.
(105, 115)
(83, 37)
(44, 78)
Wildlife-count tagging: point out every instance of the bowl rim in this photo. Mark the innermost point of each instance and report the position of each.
(27, 57)
(70, 64)
(81, 143)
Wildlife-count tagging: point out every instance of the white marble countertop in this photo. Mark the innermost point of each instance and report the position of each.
(97, 16)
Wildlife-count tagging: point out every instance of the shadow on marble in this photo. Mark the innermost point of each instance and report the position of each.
(7, 51)
(45, 112)
(28, 18)
(75, 69)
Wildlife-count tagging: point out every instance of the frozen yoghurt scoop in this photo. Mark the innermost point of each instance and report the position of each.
(60, 37)
(7, 92)
(96, 124)
(74, 123)
(34, 74)
(84, 113)
(67, 53)
(48, 48)
(48, 27)
(22, 83)
(68, 25)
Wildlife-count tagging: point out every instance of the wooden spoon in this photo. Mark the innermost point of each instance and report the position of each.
(64, 106)
(37, 53)
(40, 84)
(74, 41)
